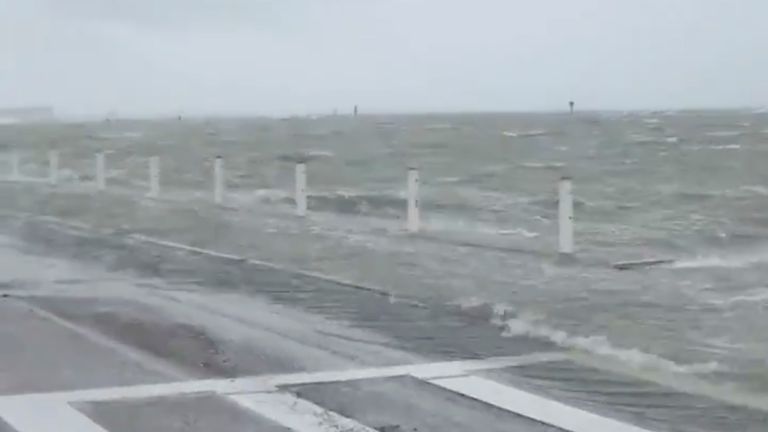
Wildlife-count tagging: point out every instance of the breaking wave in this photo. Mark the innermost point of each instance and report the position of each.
(392, 204)
(519, 232)
(601, 346)
(468, 226)
(542, 165)
(440, 126)
(358, 203)
(724, 134)
(514, 324)
(116, 135)
(757, 296)
(732, 261)
(645, 139)
(755, 189)
(305, 156)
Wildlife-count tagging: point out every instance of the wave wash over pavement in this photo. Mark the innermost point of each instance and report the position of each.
(113, 332)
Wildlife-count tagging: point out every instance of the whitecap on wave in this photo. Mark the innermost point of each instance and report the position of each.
(542, 165)
(741, 260)
(759, 296)
(525, 134)
(601, 346)
(514, 324)
(724, 134)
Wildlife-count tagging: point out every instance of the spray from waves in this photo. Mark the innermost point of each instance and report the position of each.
(601, 346)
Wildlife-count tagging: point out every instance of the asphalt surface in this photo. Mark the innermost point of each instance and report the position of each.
(82, 309)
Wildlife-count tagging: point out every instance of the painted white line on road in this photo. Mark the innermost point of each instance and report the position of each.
(148, 361)
(297, 414)
(207, 252)
(201, 251)
(47, 417)
(532, 406)
(269, 383)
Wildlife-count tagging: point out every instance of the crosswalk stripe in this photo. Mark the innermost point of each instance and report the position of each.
(267, 383)
(532, 406)
(46, 417)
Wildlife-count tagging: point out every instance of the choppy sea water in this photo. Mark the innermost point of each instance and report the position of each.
(691, 186)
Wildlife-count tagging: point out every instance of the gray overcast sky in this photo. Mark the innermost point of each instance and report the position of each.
(299, 56)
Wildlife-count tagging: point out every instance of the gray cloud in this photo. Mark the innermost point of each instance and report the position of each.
(281, 56)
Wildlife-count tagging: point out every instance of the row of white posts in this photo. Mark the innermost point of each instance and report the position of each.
(413, 216)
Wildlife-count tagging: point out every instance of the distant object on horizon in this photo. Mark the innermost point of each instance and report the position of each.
(356, 111)
(26, 115)
(572, 105)
(111, 115)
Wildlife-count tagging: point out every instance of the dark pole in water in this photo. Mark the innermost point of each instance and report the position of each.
(356, 111)
(572, 105)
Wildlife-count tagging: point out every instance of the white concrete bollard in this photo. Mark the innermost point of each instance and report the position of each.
(565, 216)
(154, 177)
(15, 166)
(53, 167)
(301, 189)
(101, 179)
(218, 180)
(414, 216)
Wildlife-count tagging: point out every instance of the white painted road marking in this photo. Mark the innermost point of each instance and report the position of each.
(297, 414)
(47, 417)
(207, 252)
(260, 395)
(269, 383)
(148, 361)
(532, 406)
